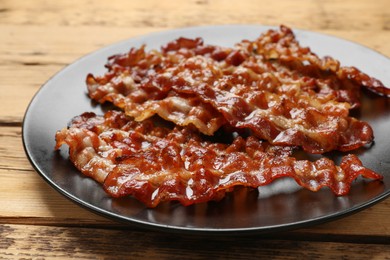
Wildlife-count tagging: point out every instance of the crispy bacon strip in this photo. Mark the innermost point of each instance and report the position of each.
(156, 164)
(138, 84)
(279, 90)
(283, 47)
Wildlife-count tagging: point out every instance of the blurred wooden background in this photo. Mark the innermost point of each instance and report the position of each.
(39, 37)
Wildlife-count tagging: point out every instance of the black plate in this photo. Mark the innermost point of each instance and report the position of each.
(278, 206)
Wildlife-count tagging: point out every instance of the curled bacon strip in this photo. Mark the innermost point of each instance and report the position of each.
(283, 47)
(156, 164)
(282, 92)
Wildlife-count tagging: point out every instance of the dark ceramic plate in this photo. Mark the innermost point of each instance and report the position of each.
(281, 205)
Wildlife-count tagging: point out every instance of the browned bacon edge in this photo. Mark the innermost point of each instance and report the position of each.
(157, 164)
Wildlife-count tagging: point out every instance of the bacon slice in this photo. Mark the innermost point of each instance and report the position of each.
(138, 84)
(282, 92)
(156, 164)
(283, 47)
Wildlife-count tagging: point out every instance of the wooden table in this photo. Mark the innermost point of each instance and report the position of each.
(38, 38)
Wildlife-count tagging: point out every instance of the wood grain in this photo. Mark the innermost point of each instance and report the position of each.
(40, 37)
(82, 243)
(26, 64)
(34, 201)
(310, 14)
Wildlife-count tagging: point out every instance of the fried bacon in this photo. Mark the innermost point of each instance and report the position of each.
(282, 92)
(156, 164)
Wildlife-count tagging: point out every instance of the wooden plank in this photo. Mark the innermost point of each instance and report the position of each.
(38, 38)
(329, 14)
(26, 194)
(12, 156)
(68, 44)
(20, 241)
(27, 198)
(34, 201)
(26, 64)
